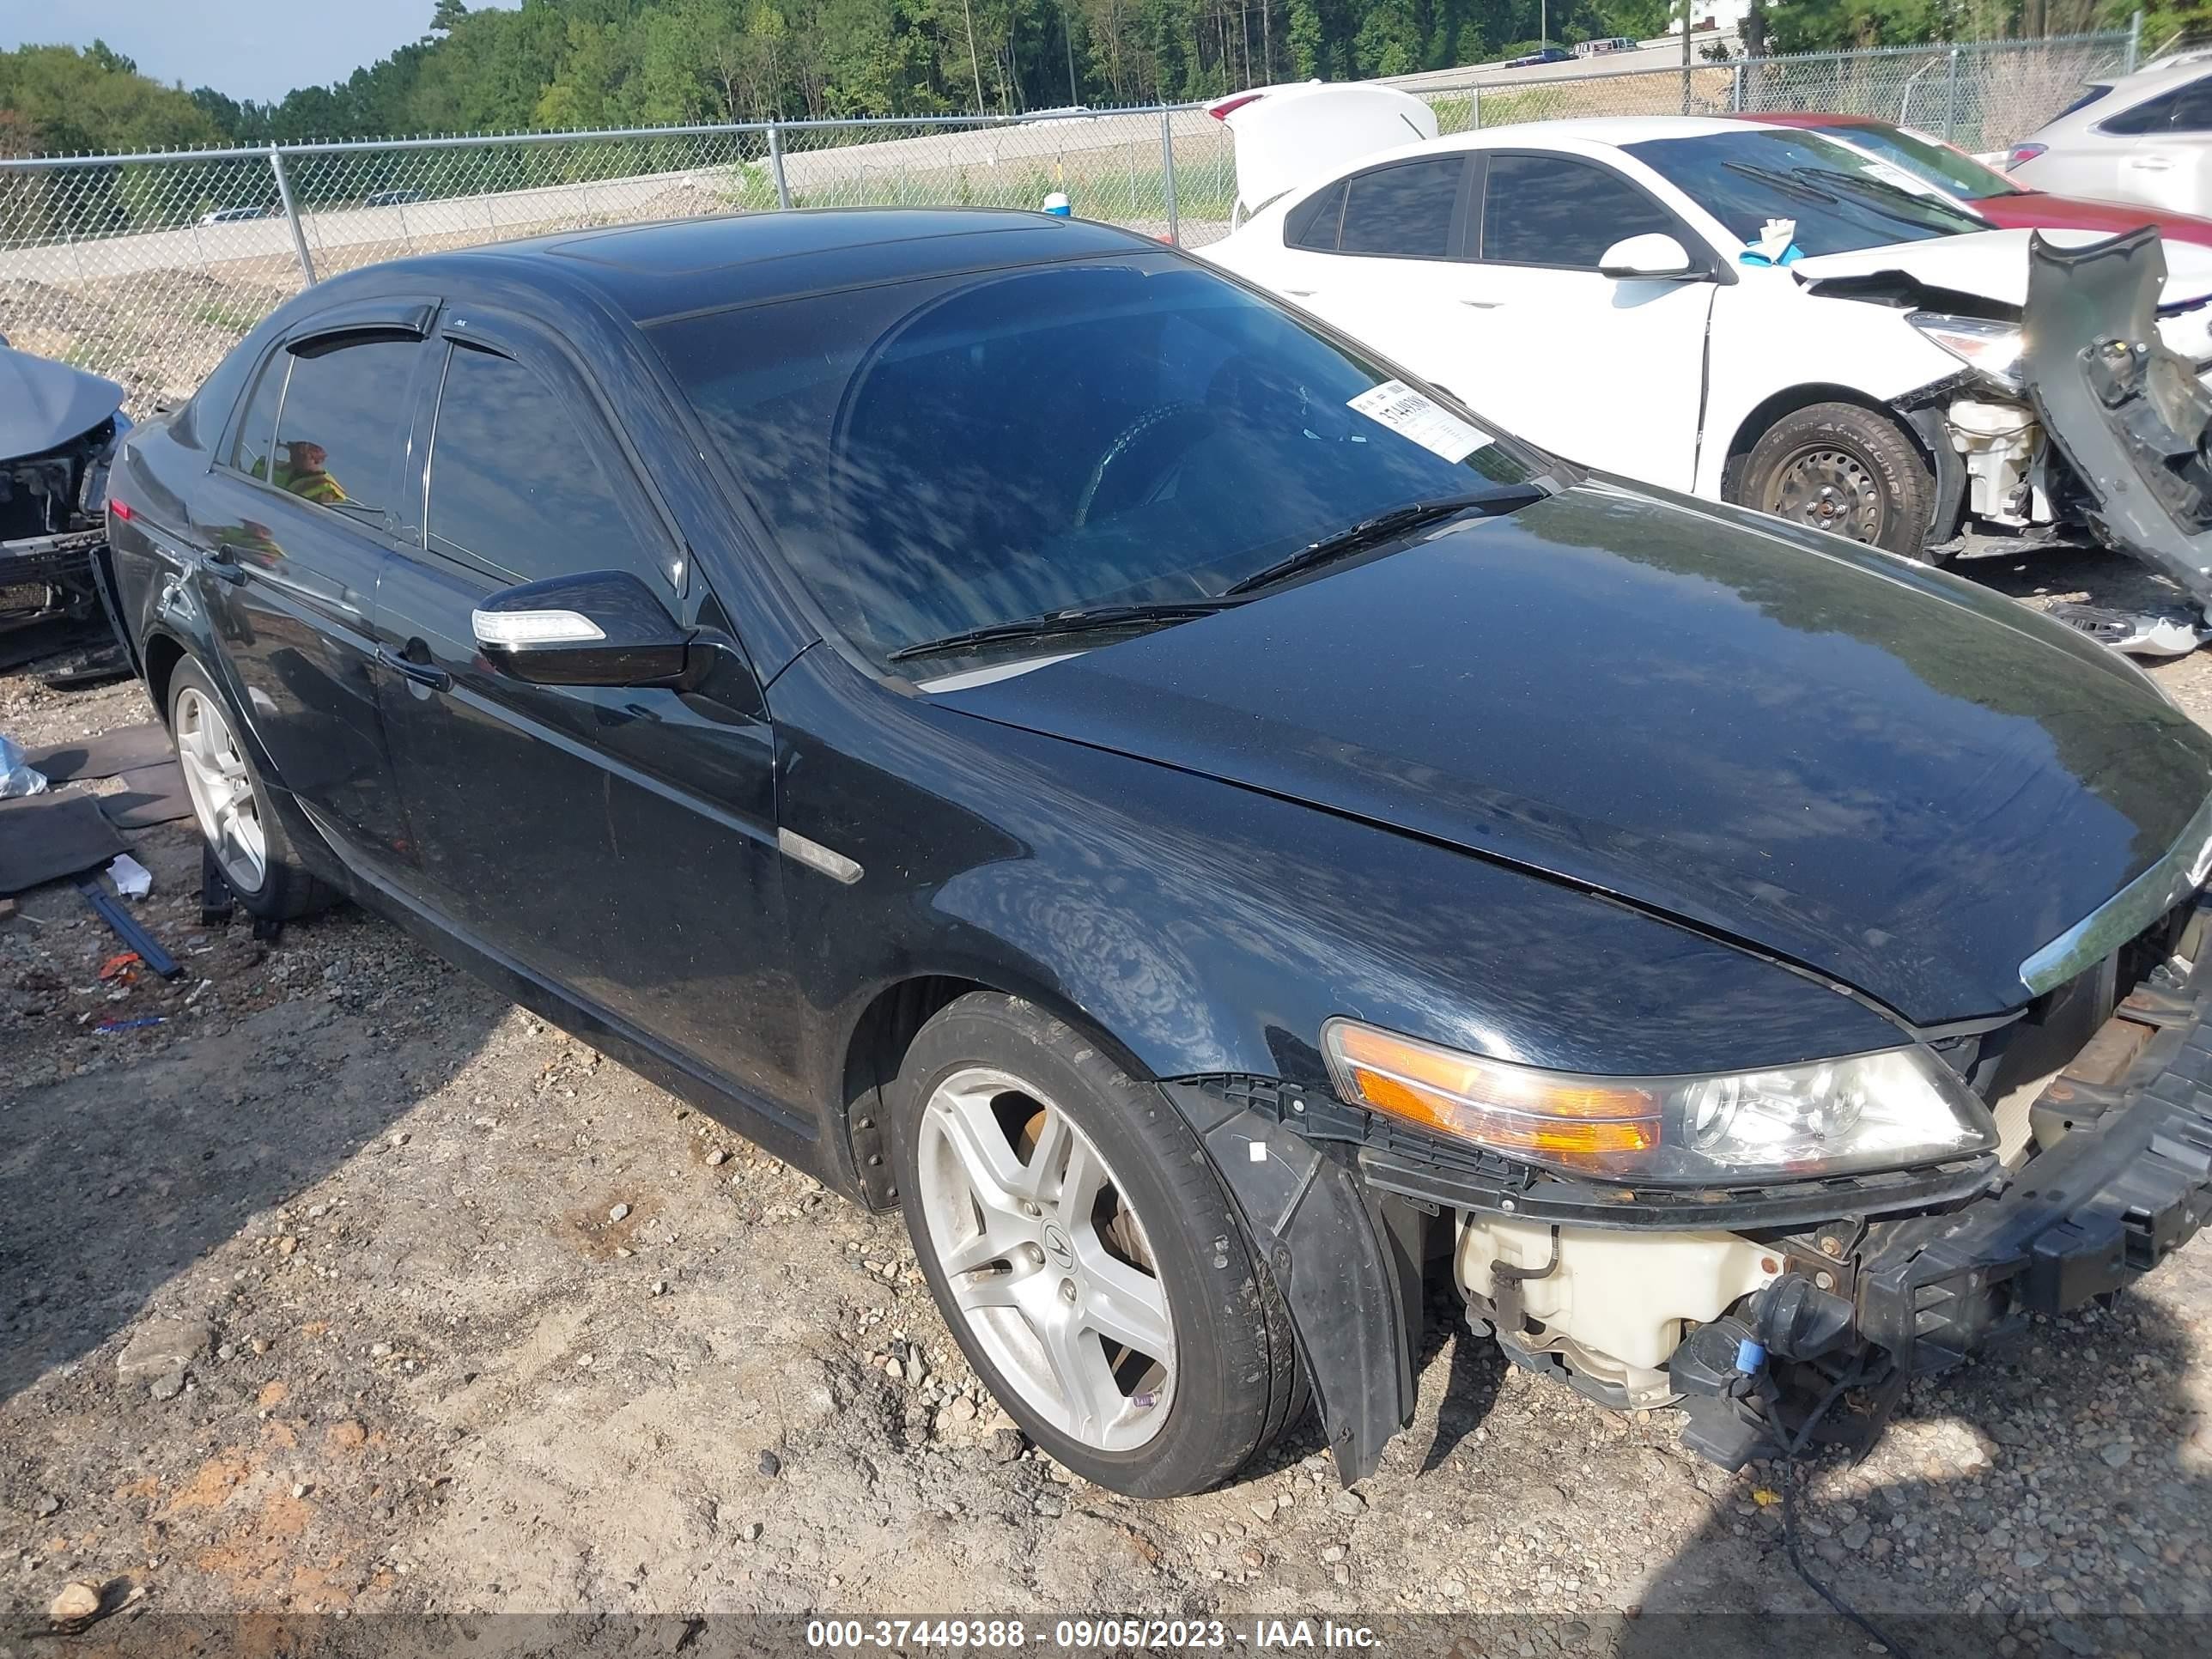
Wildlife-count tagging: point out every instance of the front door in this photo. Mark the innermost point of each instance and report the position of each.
(301, 513)
(619, 842)
(1606, 372)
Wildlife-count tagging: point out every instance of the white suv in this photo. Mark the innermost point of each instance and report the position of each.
(2144, 137)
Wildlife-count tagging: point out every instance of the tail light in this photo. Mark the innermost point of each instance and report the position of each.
(2020, 153)
(1223, 108)
(119, 509)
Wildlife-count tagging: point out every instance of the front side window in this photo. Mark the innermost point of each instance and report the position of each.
(942, 455)
(1556, 211)
(339, 435)
(1840, 199)
(1404, 210)
(517, 488)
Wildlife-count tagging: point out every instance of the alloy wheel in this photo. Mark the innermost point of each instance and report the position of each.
(222, 790)
(1046, 1262)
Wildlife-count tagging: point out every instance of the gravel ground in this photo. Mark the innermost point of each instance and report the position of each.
(352, 1288)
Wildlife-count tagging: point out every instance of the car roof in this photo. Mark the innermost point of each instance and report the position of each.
(1810, 119)
(1589, 129)
(682, 266)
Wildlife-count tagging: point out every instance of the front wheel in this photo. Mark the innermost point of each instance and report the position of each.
(1085, 1256)
(1846, 470)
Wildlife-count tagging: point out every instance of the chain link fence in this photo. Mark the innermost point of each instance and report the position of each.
(1979, 97)
(148, 267)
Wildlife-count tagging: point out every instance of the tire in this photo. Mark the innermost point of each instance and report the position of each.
(268, 879)
(1846, 470)
(1146, 1423)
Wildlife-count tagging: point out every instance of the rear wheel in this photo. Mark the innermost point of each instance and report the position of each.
(1085, 1256)
(232, 805)
(1846, 469)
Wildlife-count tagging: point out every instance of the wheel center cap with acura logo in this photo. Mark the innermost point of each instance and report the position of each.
(1057, 1246)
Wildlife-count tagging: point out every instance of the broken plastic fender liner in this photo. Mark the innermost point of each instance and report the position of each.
(1306, 1218)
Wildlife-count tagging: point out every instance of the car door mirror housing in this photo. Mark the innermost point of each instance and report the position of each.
(1654, 256)
(601, 628)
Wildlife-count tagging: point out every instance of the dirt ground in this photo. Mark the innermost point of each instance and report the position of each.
(350, 1288)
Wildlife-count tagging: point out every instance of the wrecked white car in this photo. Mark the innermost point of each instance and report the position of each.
(1754, 315)
(58, 430)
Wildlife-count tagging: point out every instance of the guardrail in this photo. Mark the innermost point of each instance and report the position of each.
(148, 267)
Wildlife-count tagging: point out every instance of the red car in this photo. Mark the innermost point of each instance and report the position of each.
(1987, 192)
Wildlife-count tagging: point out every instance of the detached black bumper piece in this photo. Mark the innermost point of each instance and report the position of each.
(2128, 1181)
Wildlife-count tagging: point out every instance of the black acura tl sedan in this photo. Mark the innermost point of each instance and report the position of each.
(1045, 736)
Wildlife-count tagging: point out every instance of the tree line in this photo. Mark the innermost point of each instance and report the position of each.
(569, 64)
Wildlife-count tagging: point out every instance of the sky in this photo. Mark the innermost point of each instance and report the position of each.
(257, 49)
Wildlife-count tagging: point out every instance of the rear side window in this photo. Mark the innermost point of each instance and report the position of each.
(257, 426)
(338, 435)
(1312, 223)
(1405, 210)
(517, 488)
(2182, 109)
(1556, 211)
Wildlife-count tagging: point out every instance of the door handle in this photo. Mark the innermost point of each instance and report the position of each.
(2150, 163)
(220, 561)
(1482, 305)
(420, 673)
(1301, 293)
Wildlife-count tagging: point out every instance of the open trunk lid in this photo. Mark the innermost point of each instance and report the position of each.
(1288, 135)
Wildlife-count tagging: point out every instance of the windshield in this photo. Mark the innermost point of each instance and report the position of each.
(939, 456)
(1841, 199)
(1948, 169)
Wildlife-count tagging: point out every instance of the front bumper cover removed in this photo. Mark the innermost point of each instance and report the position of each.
(2126, 1179)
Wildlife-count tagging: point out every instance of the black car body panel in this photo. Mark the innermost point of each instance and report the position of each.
(1792, 750)
(1614, 785)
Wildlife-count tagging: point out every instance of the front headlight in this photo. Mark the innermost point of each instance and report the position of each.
(1888, 1110)
(1992, 348)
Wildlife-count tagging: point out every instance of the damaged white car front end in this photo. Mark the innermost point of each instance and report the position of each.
(1756, 315)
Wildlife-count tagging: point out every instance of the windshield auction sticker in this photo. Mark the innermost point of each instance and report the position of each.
(1410, 414)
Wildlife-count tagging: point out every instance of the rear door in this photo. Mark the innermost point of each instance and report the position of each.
(2164, 158)
(1603, 371)
(1374, 255)
(301, 509)
(619, 842)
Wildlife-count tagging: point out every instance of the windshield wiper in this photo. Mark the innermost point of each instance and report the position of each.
(1078, 619)
(1939, 206)
(1369, 533)
(1787, 183)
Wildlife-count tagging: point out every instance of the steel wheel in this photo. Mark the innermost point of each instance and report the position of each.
(1831, 489)
(1047, 1265)
(222, 790)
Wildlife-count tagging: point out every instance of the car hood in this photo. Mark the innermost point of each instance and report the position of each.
(44, 404)
(2036, 209)
(1903, 782)
(1992, 265)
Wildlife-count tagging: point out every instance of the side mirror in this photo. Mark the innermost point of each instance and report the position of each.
(1653, 256)
(602, 628)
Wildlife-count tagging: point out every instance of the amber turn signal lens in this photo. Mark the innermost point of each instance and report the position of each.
(1511, 1109)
